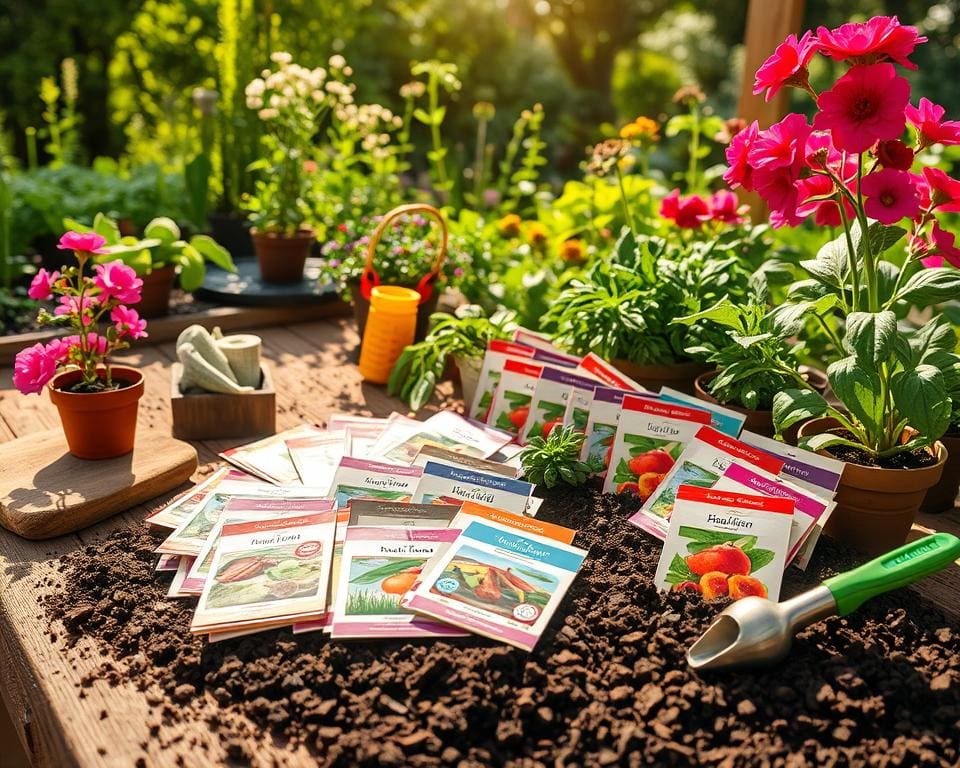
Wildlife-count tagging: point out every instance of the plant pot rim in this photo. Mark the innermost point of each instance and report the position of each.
(159, 272)
(304, 233)
(135, 381)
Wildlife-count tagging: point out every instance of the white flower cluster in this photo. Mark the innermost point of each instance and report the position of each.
(298, 91)
(372, 122)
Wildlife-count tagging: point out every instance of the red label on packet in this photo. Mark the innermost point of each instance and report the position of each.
(659, 408)
(776, 504)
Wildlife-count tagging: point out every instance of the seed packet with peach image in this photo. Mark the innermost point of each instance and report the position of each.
(725, 544)
(650, 437)
(511, 400)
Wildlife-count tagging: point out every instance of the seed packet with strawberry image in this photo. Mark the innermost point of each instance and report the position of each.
(650, 437)
(457, 485)
(378, 567)
(602, 424)
(702, 463)
(549, 403)
(496, 356)
(725, 544)
(722, 419)
(511, 400)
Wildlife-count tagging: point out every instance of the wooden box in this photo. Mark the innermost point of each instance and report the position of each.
(212, 416)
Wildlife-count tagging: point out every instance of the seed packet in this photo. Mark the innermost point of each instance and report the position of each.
(577, 413)
(497, 354)
(392, 513)
(595, 366)
(722, 419)
(453, 459)
(556, 359)
(649, 427)
(268, 573)
(238, 509)
(183, 505)
(549, 404)
(378, 566)
(445, 429)
(497, 582)
(359, 479)
(269, 458)
(511, 400)
(702, 463)
(455, 485)
(725, 544)
(167, 563)
(808, 509)
(343, 420)
(535, 340)
(470, 510)
(316, 457)
(183, 568)
(605, 407)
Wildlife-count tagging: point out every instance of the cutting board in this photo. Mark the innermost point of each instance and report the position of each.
(46, 492)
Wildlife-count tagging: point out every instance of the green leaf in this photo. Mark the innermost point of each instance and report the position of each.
(787, 319)
(107, 228)
(163, 229)
(384, 571)
(826, 440)
(423, 390)
(759, 558)
(921, 397)
(192, 270)
(930, 286)
(830, 265)
(860, 390)
(795, 405)
(882, 238)
(723, 313)
(870, 336)
(213, 252)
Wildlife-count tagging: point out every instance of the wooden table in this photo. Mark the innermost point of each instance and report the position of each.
(62, 723)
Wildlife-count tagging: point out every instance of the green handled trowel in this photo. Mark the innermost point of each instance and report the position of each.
(755, 632)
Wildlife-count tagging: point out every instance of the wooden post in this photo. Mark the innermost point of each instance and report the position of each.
(768, 23)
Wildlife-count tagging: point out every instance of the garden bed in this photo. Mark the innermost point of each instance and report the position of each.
(608, 684)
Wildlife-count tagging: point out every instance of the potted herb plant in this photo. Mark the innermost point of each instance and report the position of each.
(159, 258)
(291, 102)
(462, 337)
(896, 387)
(97, 401)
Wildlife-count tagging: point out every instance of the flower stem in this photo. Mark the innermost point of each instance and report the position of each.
(869, 265)
(626, 204)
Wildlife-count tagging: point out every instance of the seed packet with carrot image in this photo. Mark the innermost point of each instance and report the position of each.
(511, 401)
(650, 437)
(496, 356)
(549, 404)
(602, 422)
(725, 544)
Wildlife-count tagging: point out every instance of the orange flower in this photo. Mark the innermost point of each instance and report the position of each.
(640, 129)
(537, 234)
(572, 251)
(509, 225)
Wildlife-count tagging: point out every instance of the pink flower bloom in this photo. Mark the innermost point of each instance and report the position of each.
(895, 154)
(128, 322)
(42, 284)
(32, 369)
(59, 349)
(883, 37)
(787, 65)
(782, 145)
(946, 245)
(778, 188)
(118, 281)
(931, 127)
(864, 106)
(826, 213)
(71, 305)
(96, 344)
(891, 196)
(939, 191)
(86, 242)
(685, 212)
(725, 207)
(739, 173)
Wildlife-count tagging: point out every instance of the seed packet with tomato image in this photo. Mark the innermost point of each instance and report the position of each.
(447, 485)
(702, 463)
(722, 419)
(650, 437)
(378, 566)
(602, 424)
(511, 400)
(549, 404)
(725, 544)
(496, 356)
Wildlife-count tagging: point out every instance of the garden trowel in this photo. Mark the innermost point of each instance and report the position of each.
(755, 632)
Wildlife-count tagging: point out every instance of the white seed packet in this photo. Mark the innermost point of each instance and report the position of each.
(535, 340)
(183, 505)
(401, 442)
(455, 485)
(722, 419)
(551, 397)
(497, 354)
(316, 457)
(269, 458)
(453, 459)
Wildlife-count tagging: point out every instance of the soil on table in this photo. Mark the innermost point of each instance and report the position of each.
(607, 684)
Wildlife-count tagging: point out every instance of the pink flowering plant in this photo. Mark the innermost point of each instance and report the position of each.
(84, 303)
(853, 167)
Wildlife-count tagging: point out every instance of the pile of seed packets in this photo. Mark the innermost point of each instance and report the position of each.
(370, 528)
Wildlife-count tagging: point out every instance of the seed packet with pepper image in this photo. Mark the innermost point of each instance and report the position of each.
(702, 463)
(650, 437)
(725, 544)
(511, 400)
(379, 565)
(602, 424)
(549, 404)
(722, 419)
(445, 484)
(496, 356)
(497, 582)
(267, 573)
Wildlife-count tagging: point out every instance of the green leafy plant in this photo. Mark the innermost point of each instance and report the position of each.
(555, 459)
(465, 334)
(439, 75)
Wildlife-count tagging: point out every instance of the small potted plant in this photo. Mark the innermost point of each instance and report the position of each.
(291, 102)
(97, 401)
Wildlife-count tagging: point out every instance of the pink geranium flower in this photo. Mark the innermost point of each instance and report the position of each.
(927, 118)
(883, 37)
(946, 244)
(115, 279)
(782, 145)
(96, 343)
(85, 242)
(59, 349)
(787, 65)
(33, 368)
(939, 191)
(778, 188)
(864, 106)
(41, 285)
(128, 322)
(891, 196)
(895, 154)
(685, 212)
(739, 173)
(725, 207)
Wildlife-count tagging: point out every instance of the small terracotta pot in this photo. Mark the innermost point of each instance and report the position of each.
(98, 425)
(361, 308)
(155, 295)
(876, 507)
(680, 376)
(282, 257)
(943, 496)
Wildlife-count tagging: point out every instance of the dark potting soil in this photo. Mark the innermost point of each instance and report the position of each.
(607, 685)
(917, 459)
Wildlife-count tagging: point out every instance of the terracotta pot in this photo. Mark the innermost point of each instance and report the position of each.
(876, 507)
(98, 425)
(361, 308)
(282, 257)
(760, 422)
(155, 296)
(680, 376)
(943, 496)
